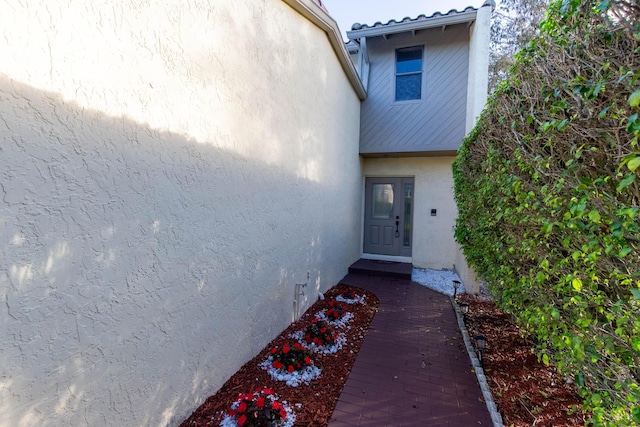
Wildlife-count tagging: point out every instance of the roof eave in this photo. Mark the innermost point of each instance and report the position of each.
(402, 27)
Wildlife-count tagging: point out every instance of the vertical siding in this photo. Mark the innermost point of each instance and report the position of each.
(437, 121)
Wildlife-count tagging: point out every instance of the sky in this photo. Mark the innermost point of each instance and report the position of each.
(348, 12)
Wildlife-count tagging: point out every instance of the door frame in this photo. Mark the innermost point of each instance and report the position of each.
(403, 253)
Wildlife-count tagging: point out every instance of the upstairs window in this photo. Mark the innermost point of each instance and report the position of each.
(409, 73)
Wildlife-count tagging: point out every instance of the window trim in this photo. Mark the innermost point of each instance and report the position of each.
(420, 48)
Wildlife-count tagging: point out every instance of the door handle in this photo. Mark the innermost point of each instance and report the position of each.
(397, 224)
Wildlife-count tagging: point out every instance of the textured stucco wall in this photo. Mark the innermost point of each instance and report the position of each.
(433, 243)
(168, 171)
(467, 274)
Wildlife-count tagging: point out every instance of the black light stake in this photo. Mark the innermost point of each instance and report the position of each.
(481, 345)
(456, 285)
(464, 307)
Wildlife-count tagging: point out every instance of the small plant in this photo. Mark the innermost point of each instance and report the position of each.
(259, 409)
(348, 293)
(320, 333)
(292, 364)
(320, 337)
(290, 358)
(337, 315)
(350, 296)
(336, 311)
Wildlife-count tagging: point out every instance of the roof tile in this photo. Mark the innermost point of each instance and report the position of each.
(421, 17)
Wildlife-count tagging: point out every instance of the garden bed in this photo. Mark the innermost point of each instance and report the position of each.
(314, 403)
(526, 392)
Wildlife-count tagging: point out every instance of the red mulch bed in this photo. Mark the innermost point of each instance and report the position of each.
(527, 392)
(319, 398)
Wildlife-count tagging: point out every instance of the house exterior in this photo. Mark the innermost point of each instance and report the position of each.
(170, 171)
(426, 81)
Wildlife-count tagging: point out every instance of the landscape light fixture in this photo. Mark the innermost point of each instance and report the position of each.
(464, 307)
(481, 345)
(456, 285)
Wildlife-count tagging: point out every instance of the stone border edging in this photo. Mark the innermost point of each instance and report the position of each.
(482, 379)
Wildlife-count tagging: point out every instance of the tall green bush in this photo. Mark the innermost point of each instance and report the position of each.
(549, 200)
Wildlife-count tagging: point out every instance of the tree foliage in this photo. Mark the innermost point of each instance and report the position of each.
(514, 23)
(549, 199)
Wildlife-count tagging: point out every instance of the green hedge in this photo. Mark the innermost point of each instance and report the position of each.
(549, 200)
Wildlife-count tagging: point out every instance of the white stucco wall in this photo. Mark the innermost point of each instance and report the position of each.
(168, 171)
(467, 274)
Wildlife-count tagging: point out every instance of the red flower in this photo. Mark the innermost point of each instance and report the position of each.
(290, 369)
(332, 303)
(285, 350)
(241, 420)
(276, 405)
(232, 412)
(315, 340)
(260, 402)
(274, 350)
(277, 364)
(267, 391)
(315, 320)
(323, 330)
(307, 361)
(242, 407)
(283, 413)
(297, 345)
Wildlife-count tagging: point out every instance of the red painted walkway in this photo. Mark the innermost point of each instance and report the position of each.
(412, 369)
